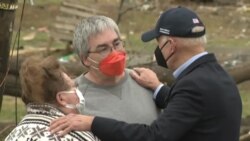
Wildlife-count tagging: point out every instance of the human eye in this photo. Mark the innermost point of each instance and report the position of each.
(102, 49)
(118, 43)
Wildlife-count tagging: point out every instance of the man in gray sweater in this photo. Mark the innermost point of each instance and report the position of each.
(107, 86)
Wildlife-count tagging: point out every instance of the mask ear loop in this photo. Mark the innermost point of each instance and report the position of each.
(85, 89)
(163, 47)
(172, 52)
(70, 106)
(77, 81)
(81, 100)
(80, 95)
(82, 59)
(94, 62)
(164, 44)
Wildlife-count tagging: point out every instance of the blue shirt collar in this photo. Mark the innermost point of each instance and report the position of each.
(180, 69)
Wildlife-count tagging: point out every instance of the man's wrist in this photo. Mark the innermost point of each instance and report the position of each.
(157, 90)
(89, 122)
(154, 87)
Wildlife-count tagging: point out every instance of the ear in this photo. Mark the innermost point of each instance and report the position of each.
(173, 48)
(85, 61)
(172, 45)
(61, 99)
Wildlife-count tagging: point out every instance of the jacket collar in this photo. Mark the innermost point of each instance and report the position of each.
(204, 59)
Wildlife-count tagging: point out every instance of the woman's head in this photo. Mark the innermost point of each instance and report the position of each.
(41, 80)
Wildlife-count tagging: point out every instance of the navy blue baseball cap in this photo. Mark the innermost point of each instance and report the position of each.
(178, 22)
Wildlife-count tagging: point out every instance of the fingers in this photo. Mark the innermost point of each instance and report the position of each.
(145, 77)
(134, 75)
(140, 76)
(139, 70)
(66, 124)
(60, 126)
(64, 131)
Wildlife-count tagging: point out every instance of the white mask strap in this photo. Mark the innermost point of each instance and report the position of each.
(70, 106)
(80, 96)
(94, 62)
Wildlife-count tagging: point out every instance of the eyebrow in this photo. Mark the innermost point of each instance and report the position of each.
(102, 45)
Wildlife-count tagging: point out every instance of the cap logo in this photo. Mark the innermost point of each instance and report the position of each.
(195, 21)
(164, 31)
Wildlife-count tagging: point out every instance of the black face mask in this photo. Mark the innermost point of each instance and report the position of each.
(160, 58)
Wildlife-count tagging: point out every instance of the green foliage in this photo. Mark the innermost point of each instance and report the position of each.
(230, 43)
(8, 111)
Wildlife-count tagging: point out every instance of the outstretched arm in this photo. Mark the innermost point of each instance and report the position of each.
(65, 124)
(181, 114)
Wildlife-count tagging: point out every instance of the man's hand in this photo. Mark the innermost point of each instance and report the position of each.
(145, 77)
(63, 125)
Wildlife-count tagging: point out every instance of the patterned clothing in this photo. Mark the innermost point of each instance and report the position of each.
(34, 126)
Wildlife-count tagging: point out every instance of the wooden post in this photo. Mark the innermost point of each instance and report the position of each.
(7, 16)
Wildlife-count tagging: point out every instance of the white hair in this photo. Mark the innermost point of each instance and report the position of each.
(193, 41)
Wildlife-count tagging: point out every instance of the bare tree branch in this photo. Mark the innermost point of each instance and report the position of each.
(123, 12)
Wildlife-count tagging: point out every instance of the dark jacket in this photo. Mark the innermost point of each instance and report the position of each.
(203, 104)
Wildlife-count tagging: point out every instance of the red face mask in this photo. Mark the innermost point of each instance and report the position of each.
(113, 64)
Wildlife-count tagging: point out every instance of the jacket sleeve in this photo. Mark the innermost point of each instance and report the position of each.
(162, 97)
(180, 115)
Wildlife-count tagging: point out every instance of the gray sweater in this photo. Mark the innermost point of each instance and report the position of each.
(127, 101)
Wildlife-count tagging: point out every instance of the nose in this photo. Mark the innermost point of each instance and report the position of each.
(112, 49)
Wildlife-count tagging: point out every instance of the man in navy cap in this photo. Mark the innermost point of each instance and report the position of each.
(203, 104)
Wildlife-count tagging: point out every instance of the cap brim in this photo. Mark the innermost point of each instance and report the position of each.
(148, 36)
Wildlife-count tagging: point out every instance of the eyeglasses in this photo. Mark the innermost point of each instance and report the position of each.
(105, 49)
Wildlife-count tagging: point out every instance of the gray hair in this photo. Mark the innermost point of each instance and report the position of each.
(88, 27)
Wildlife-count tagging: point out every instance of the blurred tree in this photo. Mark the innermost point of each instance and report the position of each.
(7, 15)
(239, 73)
(129, 5)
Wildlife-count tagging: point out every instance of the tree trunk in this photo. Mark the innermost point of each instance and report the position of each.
(7, 16)
(240, 73)
(76, 68)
